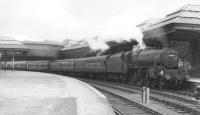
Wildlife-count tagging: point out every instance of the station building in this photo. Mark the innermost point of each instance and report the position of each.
(42, 50)
(179, 30)
(27, 50)
(74, 52)
(74, 49)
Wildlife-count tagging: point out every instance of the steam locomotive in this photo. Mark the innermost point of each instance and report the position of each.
(146, 67)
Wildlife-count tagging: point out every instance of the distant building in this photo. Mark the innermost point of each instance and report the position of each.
(42, 50)
(10, 47)
(74, 51)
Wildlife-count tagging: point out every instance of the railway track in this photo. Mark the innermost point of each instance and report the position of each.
(117, 112)
(124, 106)
(182, 94)
(177, 103)
(179, 95)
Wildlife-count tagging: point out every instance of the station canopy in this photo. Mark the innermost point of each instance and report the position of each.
(10, 46)
(9, 43)
(183, 23)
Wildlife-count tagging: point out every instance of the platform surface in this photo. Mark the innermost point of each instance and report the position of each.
(35, 93)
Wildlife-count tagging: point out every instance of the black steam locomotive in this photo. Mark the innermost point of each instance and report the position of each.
(147, 67)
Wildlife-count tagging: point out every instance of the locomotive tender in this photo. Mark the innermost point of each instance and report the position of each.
(146, 67)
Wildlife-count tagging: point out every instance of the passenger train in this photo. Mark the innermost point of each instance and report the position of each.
(145, 67)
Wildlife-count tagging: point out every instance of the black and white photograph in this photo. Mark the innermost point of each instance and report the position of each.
(99, 57)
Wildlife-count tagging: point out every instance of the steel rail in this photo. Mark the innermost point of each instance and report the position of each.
(156, 97)
(133, 103)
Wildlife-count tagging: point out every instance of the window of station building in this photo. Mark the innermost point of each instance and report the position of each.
(44, 46)
(39, 46)
(54, 47)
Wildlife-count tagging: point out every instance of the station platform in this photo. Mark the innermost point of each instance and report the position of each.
(35, 93)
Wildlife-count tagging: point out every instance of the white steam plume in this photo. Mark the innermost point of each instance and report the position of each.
(95, 44)
(99, 42)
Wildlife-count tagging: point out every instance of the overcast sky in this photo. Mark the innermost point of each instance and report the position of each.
(76, 19)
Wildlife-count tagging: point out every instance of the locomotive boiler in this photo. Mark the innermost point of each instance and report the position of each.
(158, 67)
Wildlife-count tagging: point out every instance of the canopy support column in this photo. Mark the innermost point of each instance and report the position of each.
(5, 57)
(13, 60)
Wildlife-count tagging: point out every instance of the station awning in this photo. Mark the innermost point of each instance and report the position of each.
(9, 43)
(186, 18)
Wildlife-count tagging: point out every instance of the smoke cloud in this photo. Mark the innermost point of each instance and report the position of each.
(96, 43)
(117, 35)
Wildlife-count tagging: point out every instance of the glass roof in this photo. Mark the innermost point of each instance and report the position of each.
(7, 42)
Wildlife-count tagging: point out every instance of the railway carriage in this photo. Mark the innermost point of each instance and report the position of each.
(9, 66)
(91, 64)
(20, 65)
(66, 65)
(38, 65)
